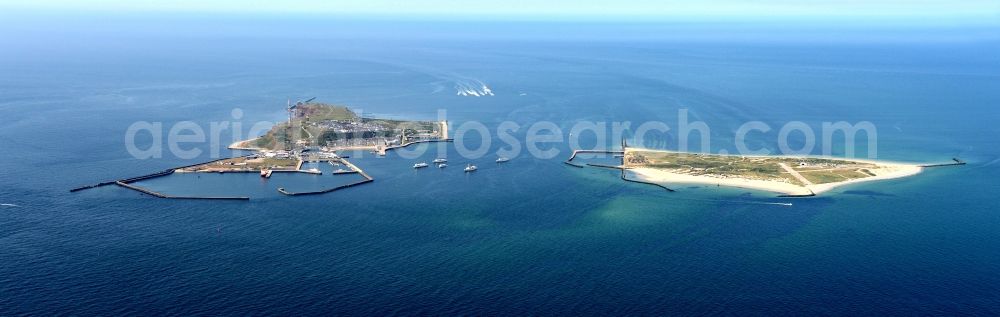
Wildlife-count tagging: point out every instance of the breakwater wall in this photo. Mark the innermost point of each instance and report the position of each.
(617, 167)
(212, 161)
(161, 195)
(140, 189)
(148, 176)
(624, 178)
(955, 163)
(569, 161)
(810, 194)
(364, 181)
(573, 164)
(576, 152)
(126, 183)
(91, 186)
(354, 169)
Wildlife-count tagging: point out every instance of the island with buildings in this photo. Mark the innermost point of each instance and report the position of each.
(314, 132)
(318, 125)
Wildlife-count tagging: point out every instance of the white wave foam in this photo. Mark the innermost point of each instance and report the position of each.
(472, 88)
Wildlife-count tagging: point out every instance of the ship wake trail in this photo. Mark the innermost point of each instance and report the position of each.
(472, 88)
(9, 205)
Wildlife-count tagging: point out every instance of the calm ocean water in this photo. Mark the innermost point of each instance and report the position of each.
(530, 236)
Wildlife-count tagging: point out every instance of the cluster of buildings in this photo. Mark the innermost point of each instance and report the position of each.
(313, 152)
(353, 127)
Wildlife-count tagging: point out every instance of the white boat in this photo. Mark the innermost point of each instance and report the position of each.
(420, 165)
(502, 159)
(265, 173)
(470, 168)
(440, 160)
(442, 165)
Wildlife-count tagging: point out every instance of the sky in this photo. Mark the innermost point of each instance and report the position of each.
(988, 10)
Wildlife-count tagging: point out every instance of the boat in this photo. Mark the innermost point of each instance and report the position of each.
(470, 168)
(442, 165)
(420, 165)
(341, 171)
(440, 160)
(502, 159)
(265, 173)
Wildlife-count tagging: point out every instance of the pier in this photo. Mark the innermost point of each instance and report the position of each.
(381, 150)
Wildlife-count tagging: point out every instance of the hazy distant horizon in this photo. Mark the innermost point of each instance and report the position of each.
(843, 13)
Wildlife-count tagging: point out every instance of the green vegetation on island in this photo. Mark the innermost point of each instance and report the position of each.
(325, 125)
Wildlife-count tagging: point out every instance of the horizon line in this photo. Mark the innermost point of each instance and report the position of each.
(982, 19)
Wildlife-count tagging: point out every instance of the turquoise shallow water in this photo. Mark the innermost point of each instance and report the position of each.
(528, 236)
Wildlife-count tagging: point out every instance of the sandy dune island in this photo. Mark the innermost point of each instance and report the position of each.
(786, 175)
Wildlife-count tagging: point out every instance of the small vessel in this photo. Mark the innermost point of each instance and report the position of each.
(502, 159)
(265, 173)
(442, 165)
(470, 168)
(341, 171)
(440, 160)
(314, 171)
(420, 165)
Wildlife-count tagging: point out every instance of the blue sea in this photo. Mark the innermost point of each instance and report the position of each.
(531, 236)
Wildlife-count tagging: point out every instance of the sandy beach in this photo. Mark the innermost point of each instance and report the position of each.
(243, 145)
